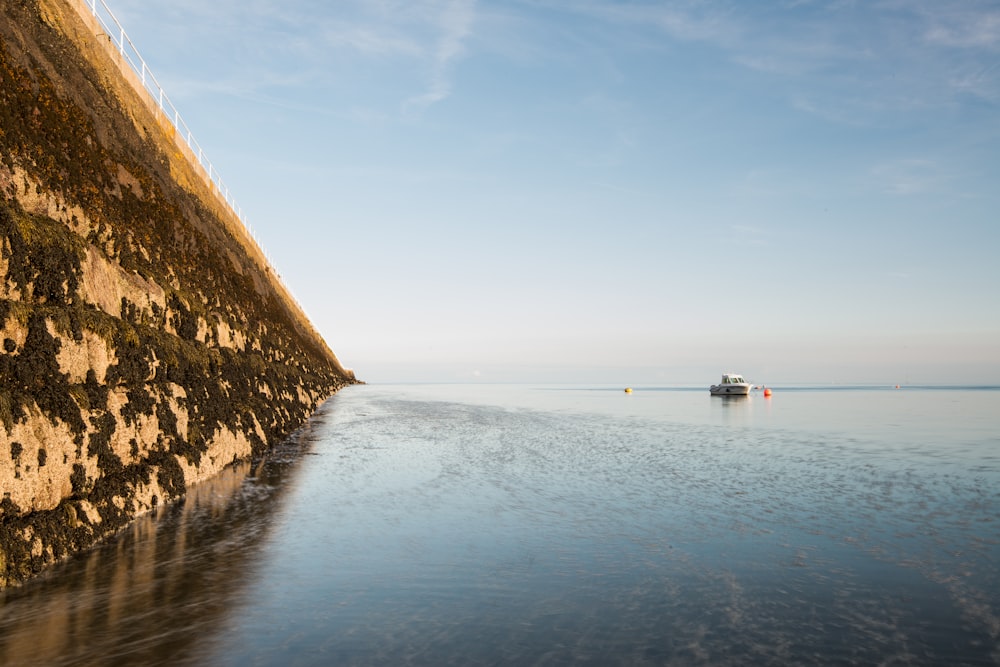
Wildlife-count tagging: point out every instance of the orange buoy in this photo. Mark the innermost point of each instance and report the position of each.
(767, 392)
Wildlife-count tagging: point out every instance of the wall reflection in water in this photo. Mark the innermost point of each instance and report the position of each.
(153, 594)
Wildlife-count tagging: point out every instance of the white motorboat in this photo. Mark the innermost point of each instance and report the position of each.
(731, 385)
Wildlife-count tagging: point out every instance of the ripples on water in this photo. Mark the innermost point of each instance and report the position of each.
(471, 525)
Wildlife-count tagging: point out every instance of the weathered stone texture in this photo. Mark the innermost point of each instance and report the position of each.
(144, 343)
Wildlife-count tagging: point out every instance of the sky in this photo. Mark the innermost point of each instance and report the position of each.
(611, 192)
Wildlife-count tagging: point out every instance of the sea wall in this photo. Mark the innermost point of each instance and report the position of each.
(145, 343)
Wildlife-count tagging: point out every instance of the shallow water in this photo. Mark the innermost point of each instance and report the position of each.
(449, 524)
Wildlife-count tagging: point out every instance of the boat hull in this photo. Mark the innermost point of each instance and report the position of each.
(730, 389)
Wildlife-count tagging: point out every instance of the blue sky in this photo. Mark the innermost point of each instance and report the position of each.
(611, 192)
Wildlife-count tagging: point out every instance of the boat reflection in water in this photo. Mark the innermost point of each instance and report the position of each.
(143, 595)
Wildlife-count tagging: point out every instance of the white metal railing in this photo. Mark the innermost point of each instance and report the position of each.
(130, 54)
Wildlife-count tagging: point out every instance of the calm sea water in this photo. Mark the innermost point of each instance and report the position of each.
(510, 525)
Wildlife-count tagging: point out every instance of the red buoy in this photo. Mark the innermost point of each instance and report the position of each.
(767, 392)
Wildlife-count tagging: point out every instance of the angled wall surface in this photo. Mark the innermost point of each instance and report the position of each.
(145, 343)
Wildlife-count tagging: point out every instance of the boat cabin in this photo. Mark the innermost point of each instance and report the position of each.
(729, 378)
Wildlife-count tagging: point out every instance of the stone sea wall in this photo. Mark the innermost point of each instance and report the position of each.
(145, 344)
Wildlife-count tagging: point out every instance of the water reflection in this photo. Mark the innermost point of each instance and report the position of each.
(732, 410)
(139, 598)
(579, 527)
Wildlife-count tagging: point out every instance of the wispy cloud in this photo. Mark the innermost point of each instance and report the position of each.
(907, 176)
(454, 22)
(968, 26)
(369, 41)
(686, 21)
(846, 62)
(260, 44)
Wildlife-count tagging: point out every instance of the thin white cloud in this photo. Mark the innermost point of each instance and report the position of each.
(846, 62)
(967, 28)
(370, 41)
(907, 176)
(684, 21)
(439, 89)
(454, 23)
(261, 44)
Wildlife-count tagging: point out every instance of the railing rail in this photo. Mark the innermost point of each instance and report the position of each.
(130, 54)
